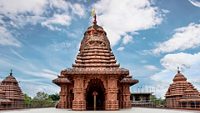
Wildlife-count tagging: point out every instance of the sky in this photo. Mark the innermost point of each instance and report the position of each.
(151, 38)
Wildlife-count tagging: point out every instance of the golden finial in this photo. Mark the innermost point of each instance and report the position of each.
(93, 13)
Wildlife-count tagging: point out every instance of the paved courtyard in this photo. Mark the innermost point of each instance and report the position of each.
(133, 110)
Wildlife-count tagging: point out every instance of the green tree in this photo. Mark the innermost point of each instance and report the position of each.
(42, 100)
(27, 100)
(158, 102)
(54, 97)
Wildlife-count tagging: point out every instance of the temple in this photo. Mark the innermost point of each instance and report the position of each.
(11, 96)
(182, 94)
(95, 81)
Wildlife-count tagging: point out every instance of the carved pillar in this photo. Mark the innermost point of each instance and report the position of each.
(120, 95)
(126, 96)
(69, 97)
(111, 94)
(63, 97)
(176, 102)
(79, 94)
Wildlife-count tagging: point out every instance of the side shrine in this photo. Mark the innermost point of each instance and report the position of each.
(11, 96)
(182, 94)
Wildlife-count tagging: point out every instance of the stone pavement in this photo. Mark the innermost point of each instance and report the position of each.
(133, 110)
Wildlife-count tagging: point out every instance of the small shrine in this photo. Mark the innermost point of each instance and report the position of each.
(11, 96)
(182, 94)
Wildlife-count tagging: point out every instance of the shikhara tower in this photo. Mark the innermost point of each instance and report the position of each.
(182, 94)
(11, 95)
(95, 80)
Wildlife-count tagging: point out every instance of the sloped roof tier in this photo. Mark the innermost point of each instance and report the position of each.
(105, 71)
(181, 87)
(129, 80)
(61, 80)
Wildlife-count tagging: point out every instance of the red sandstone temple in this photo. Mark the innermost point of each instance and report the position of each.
(95, 81)
(182, 94)
(11, 96)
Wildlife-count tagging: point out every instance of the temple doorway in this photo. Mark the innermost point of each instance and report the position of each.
(95, 95)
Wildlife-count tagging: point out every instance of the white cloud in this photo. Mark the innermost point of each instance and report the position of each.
(23, 6)
(19, 21)
(59, 4)
(190, 64)
(151, 67)
(7, 39)
(183, 38)
(120, 49)
(53, 14)
(184, 60)
(63, 15)
(121, 17)
(54, 22)
(30, 67)
(28, 86)
(78, 9)
(18, 54)
(39, 7)
(59, 46)
(143, 38)
(195, 2)
(163, 75)
(44, 73)
(127, 39)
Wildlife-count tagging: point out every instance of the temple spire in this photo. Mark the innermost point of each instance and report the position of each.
(11, 72)
(93, 13)
(178, 70)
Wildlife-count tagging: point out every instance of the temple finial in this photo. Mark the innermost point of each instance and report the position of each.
(93, 13)
(178, 70)
(11, 72)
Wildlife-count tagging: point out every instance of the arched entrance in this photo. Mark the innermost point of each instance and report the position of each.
(95, 88)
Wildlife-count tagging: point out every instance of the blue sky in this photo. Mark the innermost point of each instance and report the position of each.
(151, 38)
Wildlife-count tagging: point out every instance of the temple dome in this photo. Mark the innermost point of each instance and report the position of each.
(95, 37)
(10, 79)
(95, 50)
(179, 77)
(180, 86)
(11, 88)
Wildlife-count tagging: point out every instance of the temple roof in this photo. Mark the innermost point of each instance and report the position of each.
(95, 57)
(128, 80)
(61, 80)
(95, 50)
(179, 77)
(10, 79)
(1, 91)
(91, 71)
(190, 100)
(5, 101)
(11, 88)
(180, 87)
